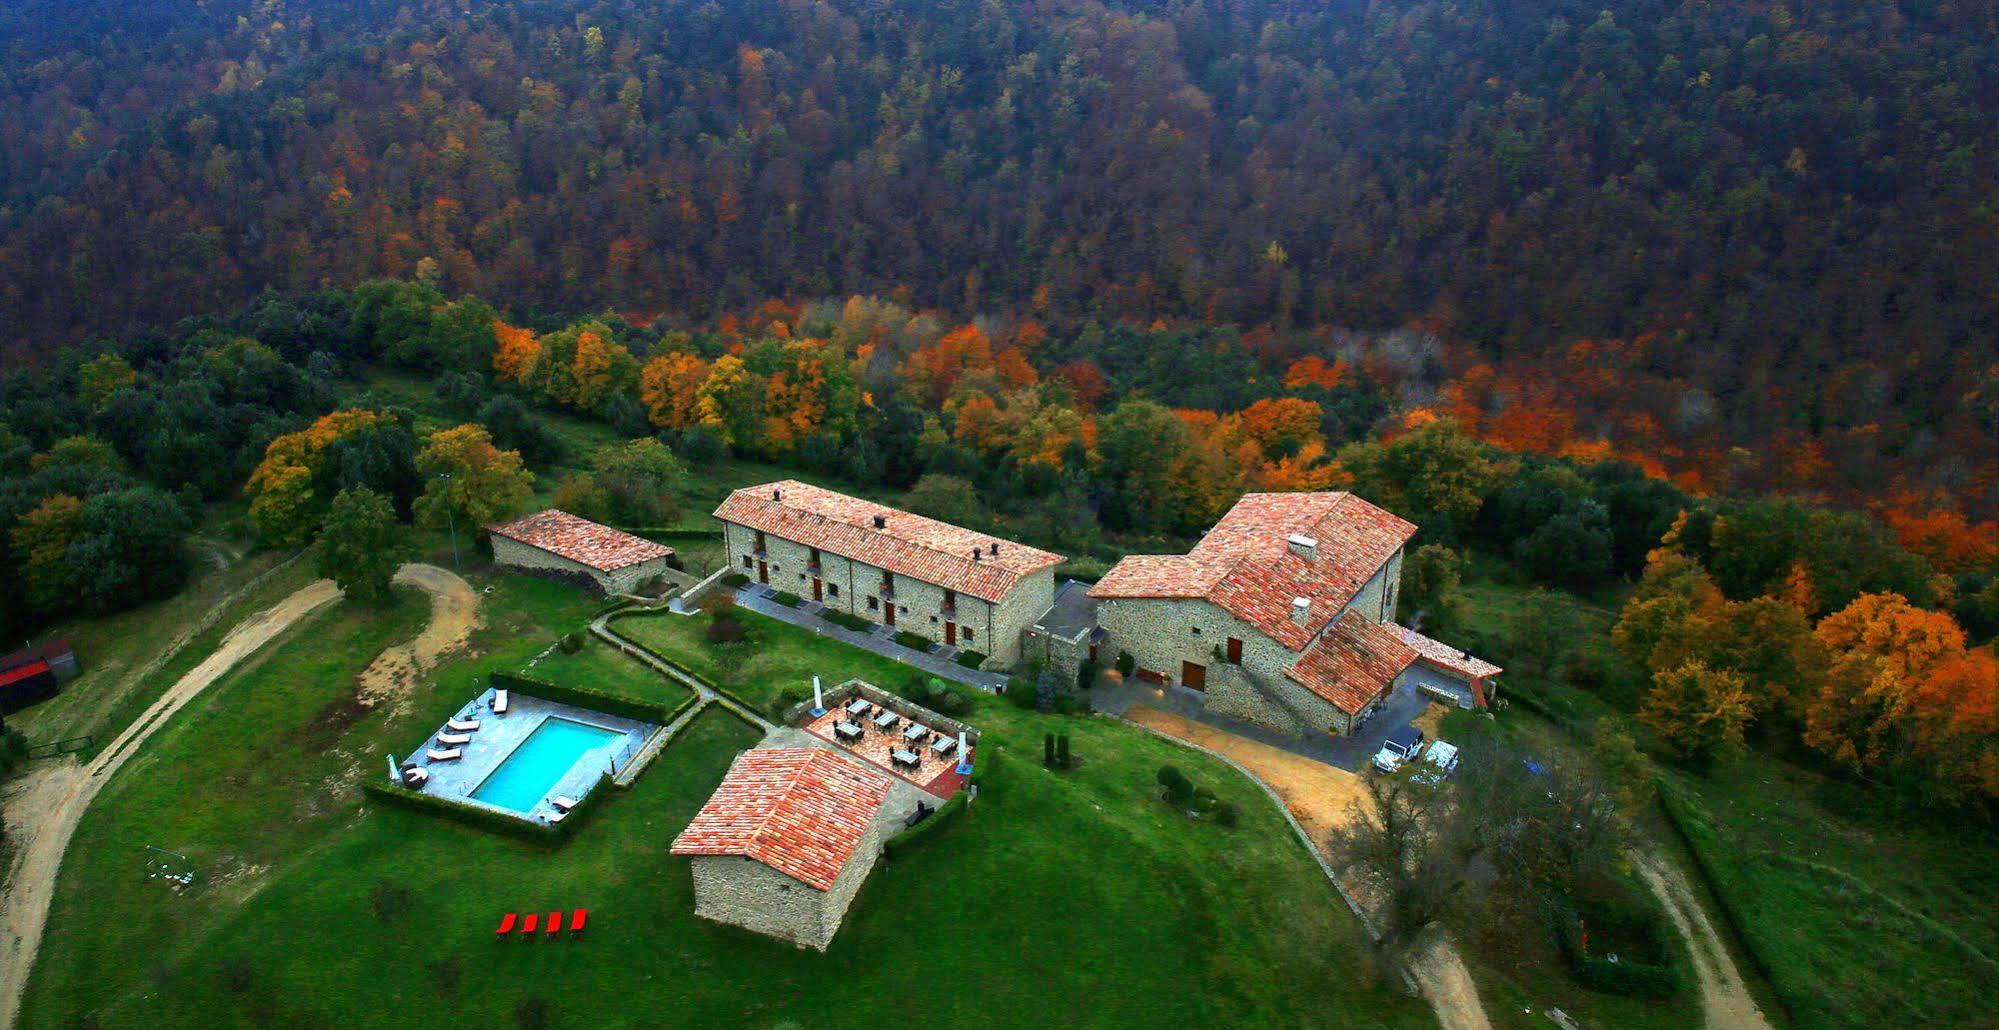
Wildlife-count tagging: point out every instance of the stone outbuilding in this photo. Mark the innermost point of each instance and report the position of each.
(964, 589)
(786, 841)
(558, 543)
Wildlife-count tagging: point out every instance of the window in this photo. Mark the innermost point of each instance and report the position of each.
(873, 603)
(933, 618)
(966, 633)
(801, 577)
(1197, 631)
(746, 562)
(832, 589)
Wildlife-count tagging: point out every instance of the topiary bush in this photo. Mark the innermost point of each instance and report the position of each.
(1086, 674)
(735, 579)
(570, 643)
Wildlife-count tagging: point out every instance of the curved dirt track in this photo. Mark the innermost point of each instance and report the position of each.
(454, 615)
(1725, 999)
(44, 806)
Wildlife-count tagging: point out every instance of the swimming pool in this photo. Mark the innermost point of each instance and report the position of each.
(542, 760)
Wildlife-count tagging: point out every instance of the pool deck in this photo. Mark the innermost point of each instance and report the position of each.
(498, 736)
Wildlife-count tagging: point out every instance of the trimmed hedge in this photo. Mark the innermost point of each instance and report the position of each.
(1630, 974)
(846, 620)
(585, 697)
(486, 819)
(948, 813)
(787, 599)
(971, 659)
(735, 579)
(914, 641)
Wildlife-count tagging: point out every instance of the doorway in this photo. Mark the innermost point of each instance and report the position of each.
(1194, 677)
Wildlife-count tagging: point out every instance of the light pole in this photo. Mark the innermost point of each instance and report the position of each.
(451, 517)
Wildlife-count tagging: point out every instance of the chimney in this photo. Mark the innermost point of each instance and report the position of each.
(995, 548)
(777, 495)
(975, 554)
(881, 522)
(1303, 546)
(1301, 611)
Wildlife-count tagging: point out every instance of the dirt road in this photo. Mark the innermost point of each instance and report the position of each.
(1319, 796)
(44, 807)
(454, 615)
(1725, 999)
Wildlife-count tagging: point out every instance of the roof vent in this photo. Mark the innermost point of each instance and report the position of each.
(975, 554)
(777, 495)
(1301, 610)
(1303, 546)
(881, 522)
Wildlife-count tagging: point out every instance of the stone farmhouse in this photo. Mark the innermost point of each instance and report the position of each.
(558, 543)
(1283, 615)
(784, 843)
(966, 589)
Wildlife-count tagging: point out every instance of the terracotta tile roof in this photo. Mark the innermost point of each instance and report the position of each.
(1438, 653)
(1246, 566)
(1352, 662)
(800, 811)
(909, 545)
(581, 540)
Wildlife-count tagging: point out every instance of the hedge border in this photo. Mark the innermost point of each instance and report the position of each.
(586, 697)
(946, 814)
(664, 660)
(904, 637)
(1630, 978)
(971, 659)
(481, 818)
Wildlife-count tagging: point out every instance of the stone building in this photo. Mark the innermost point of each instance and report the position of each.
(560, 543)
(1282, 615)
(786, 841)
(965, 589)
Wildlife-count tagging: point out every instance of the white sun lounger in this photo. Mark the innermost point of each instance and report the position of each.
(416, 776)
(461, 725)
(499, 702)
(444, 756)
(556, 817)
(563, 802)
(454, 739)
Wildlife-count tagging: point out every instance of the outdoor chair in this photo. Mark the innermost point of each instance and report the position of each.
(454, 739)
(576, 921)
(461, 725)
(557, 816)
(499, 702)
(554, 923)
(527, 925)
(506, 925)
(563, 802)
(444, 756)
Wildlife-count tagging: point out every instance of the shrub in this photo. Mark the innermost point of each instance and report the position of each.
(735, 579)
(946, 814)
(1227, 815)
(937, 695)
(1048, 750)
(727, 629)
(1170, 775)
(1020, 691)
(1062, 751)
(847, 620)
(787, 599)
(570, 643)
(971, 659)
(914, 641)
(1086, 674)
(1126, 664)
(1065, 704)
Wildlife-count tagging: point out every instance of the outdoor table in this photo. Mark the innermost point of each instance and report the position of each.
(847, 729)
(884, 720)
(944, 745)
(905, 757)
(857, 706)
(915, 730)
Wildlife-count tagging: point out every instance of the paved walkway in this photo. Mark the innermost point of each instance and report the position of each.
(1350, 752)
(601, 627)
(881, 640)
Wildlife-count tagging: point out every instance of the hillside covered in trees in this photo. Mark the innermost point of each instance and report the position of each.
(1738, 243)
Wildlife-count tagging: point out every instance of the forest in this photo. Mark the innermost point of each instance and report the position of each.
(1739, 244)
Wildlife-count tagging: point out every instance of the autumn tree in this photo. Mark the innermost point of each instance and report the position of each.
(1699, 713)
(1436, 476)
(632, 484)
(468, 481)
(731, 402)
(41, 538)
(670, 389)
(101, 377)
(84, 451)
(360, 545)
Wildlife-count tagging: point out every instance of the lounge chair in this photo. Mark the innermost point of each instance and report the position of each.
(454, 739)
(499, 702)
(527, 925)
(556, 817)
(444, 756)
(416, 776)
(506, 925)
(563, 802)
(576, 921)
(461, 725)
(554, 923)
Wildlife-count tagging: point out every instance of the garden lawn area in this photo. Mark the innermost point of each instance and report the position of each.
(599, 667)
(772, 668)
(1074, 897)
(1859, 912)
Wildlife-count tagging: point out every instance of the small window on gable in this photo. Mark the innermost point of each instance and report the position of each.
(833, 589)
(1197, 631)
(966, 633)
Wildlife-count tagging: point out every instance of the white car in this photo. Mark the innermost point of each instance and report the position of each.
(1438, 762)
(1401, 745)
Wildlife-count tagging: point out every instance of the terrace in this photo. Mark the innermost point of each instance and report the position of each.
(534, 760)
(902, 739)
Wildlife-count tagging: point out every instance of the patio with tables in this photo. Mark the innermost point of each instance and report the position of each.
(894, 741)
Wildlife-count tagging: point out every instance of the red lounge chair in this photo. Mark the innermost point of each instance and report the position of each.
(554, 923)
(576, 920)
(506, 925)
(528, 924)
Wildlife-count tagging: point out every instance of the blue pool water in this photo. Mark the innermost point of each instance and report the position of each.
(542, 760)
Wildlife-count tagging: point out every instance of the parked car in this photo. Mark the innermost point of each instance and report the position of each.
(1400, 746)
(1440, 759)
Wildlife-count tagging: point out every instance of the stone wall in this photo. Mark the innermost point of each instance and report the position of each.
(511, 553)
(1062, 656)
(1380, 594)
(1232, 695)
(1160, 634)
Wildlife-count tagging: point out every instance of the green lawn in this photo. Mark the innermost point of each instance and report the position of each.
(598, 667)
(1075, 897)
(776, 662)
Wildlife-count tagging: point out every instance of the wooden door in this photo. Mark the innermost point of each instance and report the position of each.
(816, 590)
(1235, 651)
(1193, 676)
(950, 634)
(763, 572)
(890, 609)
